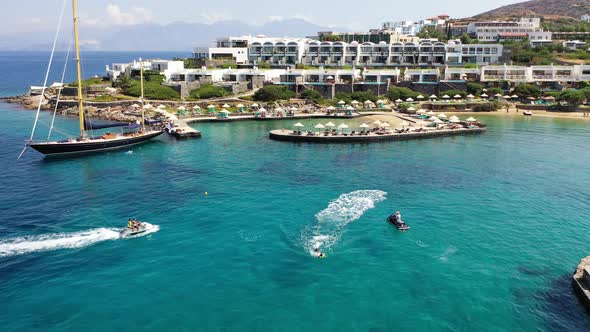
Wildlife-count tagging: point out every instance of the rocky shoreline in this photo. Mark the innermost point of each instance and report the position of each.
(114, 113)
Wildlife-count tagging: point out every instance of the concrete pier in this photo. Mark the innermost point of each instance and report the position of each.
(183, 130)
(286, 135)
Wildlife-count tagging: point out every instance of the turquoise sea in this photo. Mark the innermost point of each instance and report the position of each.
(499, 222)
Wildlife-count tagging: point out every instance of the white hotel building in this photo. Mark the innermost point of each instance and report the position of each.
(252, 51)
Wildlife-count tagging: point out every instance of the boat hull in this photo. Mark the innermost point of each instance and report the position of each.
(55, 148)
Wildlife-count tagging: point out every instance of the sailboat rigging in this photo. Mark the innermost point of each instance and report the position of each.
(85, 143)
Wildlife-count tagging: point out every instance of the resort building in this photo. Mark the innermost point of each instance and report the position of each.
(574, 45)
(479, 54)
(399, 54)
(536, 74)
(373, 36)
(414, 27)
(495, 31)
(462, 74)
(247, 50)
(165, 67)
(422, 75)
(277, 51)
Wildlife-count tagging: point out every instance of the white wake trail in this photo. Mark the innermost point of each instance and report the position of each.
(47, 242)
(331, 221)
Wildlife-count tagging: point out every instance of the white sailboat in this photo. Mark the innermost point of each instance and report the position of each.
(85, 143)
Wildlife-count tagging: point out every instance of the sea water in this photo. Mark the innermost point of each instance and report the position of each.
(499, 222)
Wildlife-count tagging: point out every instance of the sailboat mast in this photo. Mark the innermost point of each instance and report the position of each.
(79, 71)
(142, 102)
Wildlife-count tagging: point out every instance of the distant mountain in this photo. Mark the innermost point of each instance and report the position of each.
(546, 8)
(178, 36)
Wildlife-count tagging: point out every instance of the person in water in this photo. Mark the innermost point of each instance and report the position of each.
(318, 253)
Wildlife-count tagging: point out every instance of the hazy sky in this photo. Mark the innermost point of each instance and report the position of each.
(19, 16)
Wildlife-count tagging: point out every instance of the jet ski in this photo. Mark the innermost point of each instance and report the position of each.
(128, 232)
(400, 225)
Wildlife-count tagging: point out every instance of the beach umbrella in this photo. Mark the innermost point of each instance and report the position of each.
(161, 106)
(409, 100)
(330, 124)
(196, 107)
(399, 101)
(446, 97)
(471, 119)
(483, 95)
(438, 121)
(319, 126)
(442, 116)
(294, 109)
(224, 111)
(181, 108)
(550, 98)
(364, 125)
(211, 106)
(420, 111)
(278, 109)
(498, 95)
(454, 117)
(531, 98)
(410, 109)
(331, 108)
(330, 77)
(240, 105)
(433, 97)
(420, 97)
(343, 126)
(454, 120)
(433, 118)
(349, 108)
(506, 97)
(342, 102)
(226, 106)
(368, 102)
(470, 96)
(147, 106)
(354, 102)
(299, 125)
(430, 113)
(135, 106)
(457, 97)
(514, 96)
(262, 110)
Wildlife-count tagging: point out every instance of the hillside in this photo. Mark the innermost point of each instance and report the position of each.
(550, 9)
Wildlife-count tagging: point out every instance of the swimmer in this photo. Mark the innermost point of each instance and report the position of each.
(318, 253)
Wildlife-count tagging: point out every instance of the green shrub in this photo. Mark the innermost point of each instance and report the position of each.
(206, 91)
(494, 91)
(402, 93)
(475, 88)
(527, 90)
(311, 95)
(263, 65)
(486, 107)
(452, 93)
(273, 93)
(152, 90)
(572, 96)
(359, 96)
